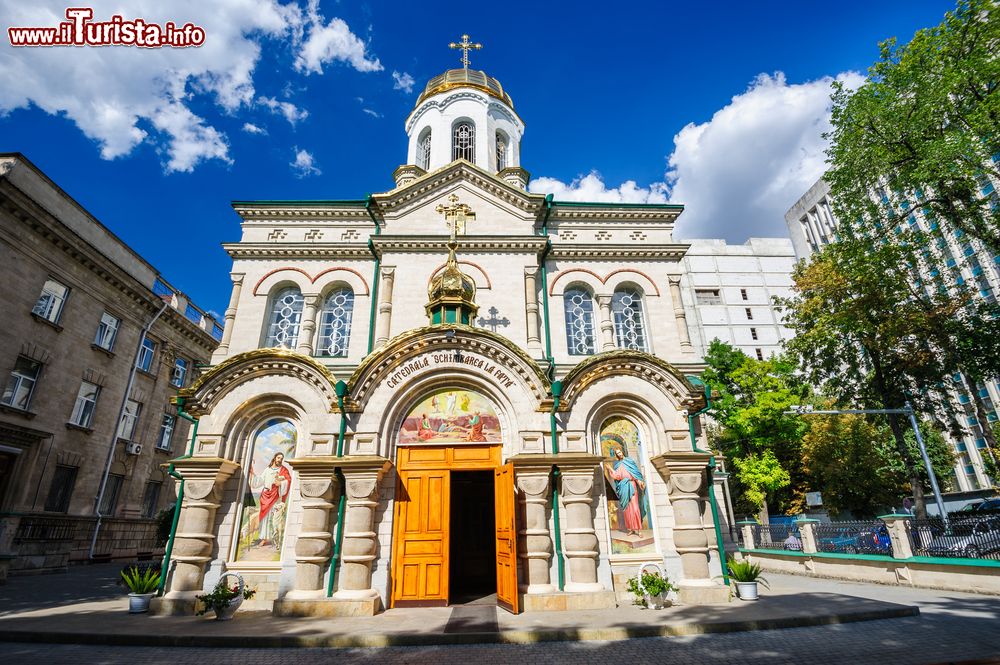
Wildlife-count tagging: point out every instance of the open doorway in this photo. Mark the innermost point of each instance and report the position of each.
(472, 576)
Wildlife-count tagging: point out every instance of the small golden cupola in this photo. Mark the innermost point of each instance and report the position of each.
(452, 293)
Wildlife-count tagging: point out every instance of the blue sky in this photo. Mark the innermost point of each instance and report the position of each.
(718, 106)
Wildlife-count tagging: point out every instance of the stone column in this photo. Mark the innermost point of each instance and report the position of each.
(899, 535)
(319, 490)
(580, 546)
(230, 315)
(749, 543)
(204, 478)
(531, 309)
(535, 542)
(607, 327)
(685, 473)
(307, 330)
(807, 530)
(680, 317)
(362, 474)
(384, 307)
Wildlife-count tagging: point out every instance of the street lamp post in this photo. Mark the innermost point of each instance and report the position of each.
(907, 410)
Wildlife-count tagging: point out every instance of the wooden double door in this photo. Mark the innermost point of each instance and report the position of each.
(423, 532)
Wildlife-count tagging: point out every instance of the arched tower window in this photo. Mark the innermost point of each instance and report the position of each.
(501, 151)
(285, 318)
(626, 310)
(424, 150)
(335, 323)
(579, 307)
(463, 145)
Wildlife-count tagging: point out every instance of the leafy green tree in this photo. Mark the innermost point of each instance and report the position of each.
(752, 431)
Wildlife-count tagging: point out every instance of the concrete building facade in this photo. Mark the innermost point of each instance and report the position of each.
(74, 416)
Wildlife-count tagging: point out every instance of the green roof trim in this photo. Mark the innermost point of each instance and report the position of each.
(303, 202)
(604, 204)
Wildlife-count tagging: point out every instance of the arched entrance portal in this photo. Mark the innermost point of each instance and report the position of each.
(454, 533)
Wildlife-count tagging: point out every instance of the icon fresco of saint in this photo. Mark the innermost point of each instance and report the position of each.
(451, 416)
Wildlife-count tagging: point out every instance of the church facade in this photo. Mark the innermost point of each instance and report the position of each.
(449, 390)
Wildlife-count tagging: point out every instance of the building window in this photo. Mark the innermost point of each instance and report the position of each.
(151, 499)
(464, 143)
(86, 404)
(335, 323)
(707, 297)
(626, 310)
(501, 151)
(50, 302)
(180, 373)
(61, 489)
(166, 432)
(126, 428)
(107, 331)
(21, 384)
(760, 354)
(749, 314)
(579, 307)
(286, 316)
(424, 150)
(743, 294)
(146, 353)
(109, 502)
(753, 333)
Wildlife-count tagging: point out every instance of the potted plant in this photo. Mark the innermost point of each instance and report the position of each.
(225, 599)
(142, 584)
(650, 588)
(746, 575)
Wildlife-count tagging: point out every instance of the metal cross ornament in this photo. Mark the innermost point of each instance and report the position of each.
(493, 322)
(456, 215)
(466, 46)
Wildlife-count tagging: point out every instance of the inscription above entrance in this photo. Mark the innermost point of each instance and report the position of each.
(451, 416)
(502, 375)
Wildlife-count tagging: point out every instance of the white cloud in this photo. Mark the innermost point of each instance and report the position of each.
(332, 41)
(591, 187)
(402, 81)
(251, 128)
(304, 164)
(290, 111)
(122, 97)
(373, 113)
(737, 173)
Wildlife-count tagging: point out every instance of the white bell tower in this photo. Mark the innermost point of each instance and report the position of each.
(464, 114)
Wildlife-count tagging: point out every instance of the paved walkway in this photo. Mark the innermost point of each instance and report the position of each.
(951, 627)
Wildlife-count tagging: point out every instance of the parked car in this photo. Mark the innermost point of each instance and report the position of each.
(844, 540)
(971, 538)
(985, 505)
(872, 540)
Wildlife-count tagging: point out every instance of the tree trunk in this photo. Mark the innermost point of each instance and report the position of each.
(916, 482)
(765, 516)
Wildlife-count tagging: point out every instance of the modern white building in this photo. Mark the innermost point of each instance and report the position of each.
(729, 291)
(812, 225)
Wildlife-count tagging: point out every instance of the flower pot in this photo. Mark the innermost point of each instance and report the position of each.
(226, 613)
(139, 602)
(746, 590)
(657, 602)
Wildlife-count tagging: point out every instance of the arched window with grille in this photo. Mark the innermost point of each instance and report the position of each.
(579, 307)
(285, 318)
(626, 310)
(335, 323)
(501, 151)
(424, 150)
(464, 142)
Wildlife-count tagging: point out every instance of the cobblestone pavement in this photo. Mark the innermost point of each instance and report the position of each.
(953, 627)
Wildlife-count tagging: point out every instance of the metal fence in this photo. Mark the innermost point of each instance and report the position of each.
(858, 537)
(974, 537)
(777, 536)
(40, 527)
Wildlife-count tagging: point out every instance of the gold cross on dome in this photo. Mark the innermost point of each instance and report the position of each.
(466, 46)
(456, 215)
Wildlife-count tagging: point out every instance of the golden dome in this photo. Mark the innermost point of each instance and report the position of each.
(452, 283)
(465, 78)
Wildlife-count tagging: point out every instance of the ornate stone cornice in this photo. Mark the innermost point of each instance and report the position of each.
(400, 349)
(634, 363)
(607, 251)
(297, 250)
(291, 212)
(610, 212)
(201, 397)
(466, 244)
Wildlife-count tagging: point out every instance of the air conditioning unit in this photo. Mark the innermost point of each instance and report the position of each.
(133, 448)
